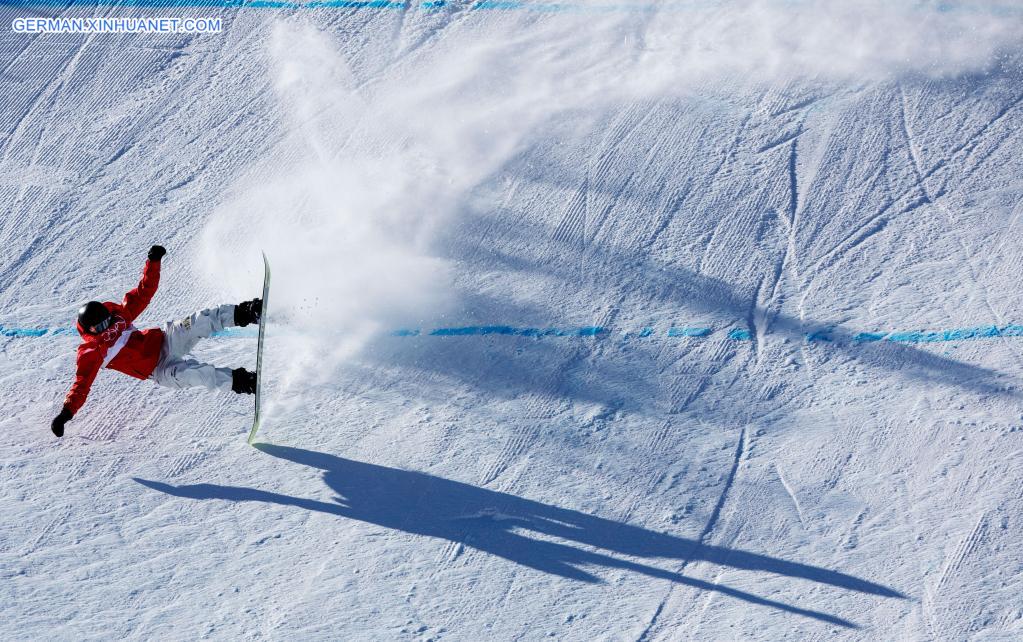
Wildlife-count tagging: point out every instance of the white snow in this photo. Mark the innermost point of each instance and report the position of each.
(733, 193)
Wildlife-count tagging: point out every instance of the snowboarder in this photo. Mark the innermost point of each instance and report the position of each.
(110, 340)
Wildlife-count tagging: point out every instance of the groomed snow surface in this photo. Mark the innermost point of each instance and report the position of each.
(589, 321)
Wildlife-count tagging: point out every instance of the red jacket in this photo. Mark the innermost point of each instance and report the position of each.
(121, 346)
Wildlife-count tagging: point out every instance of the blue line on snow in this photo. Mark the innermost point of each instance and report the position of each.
(237, 333)
(588, 331)
(961, 334)
(737, 334)
(21, 332)
(689, 332)
(864, 337)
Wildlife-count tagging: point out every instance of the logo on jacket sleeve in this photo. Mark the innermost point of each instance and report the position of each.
(111, 334)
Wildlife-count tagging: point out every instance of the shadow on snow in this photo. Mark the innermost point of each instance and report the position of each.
(500, 524)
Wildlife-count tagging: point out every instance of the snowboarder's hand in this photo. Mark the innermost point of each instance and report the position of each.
(58, 422)
(156, 252)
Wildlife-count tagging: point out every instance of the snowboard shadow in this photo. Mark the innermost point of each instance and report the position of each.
(518, 529)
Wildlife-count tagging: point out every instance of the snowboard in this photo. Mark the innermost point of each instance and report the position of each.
(259, 346)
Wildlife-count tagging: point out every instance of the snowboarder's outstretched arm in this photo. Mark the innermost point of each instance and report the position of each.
(137, 300)
(89, 362)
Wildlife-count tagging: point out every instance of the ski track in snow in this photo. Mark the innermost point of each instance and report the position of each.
(779, 398)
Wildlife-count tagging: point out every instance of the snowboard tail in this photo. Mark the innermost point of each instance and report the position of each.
(259, 347)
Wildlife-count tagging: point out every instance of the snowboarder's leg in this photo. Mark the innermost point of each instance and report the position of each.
(189, 373)
(182, 335)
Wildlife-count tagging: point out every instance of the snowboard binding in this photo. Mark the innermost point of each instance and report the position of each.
(243, 382)
(248, 312)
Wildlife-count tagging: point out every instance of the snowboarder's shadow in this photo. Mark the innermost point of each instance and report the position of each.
(517, 529)
(537, 249)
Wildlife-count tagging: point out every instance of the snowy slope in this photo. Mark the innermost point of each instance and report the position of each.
(647, 321)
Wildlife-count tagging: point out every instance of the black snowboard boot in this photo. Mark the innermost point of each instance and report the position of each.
(248, 312)
(243, 382)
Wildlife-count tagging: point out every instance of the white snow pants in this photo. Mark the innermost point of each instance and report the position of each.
(179, 337)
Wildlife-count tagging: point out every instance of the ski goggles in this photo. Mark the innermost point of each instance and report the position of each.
(101, 326)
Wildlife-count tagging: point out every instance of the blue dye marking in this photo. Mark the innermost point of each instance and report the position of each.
(689, 332)
(913, 337)
(985, 332)
(507, 330)
(509, 6)
(531, 332)
(865, 337)
(548, 332)
(22, 332)
(1012, 331)
(350, 4)
(472, 330)
(971, 333)
(236, 333)
(918, 336)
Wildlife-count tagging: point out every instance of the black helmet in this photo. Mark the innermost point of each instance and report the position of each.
(93, 317)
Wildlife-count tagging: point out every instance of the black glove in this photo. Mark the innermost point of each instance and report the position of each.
(156, 252)
(58, 422)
